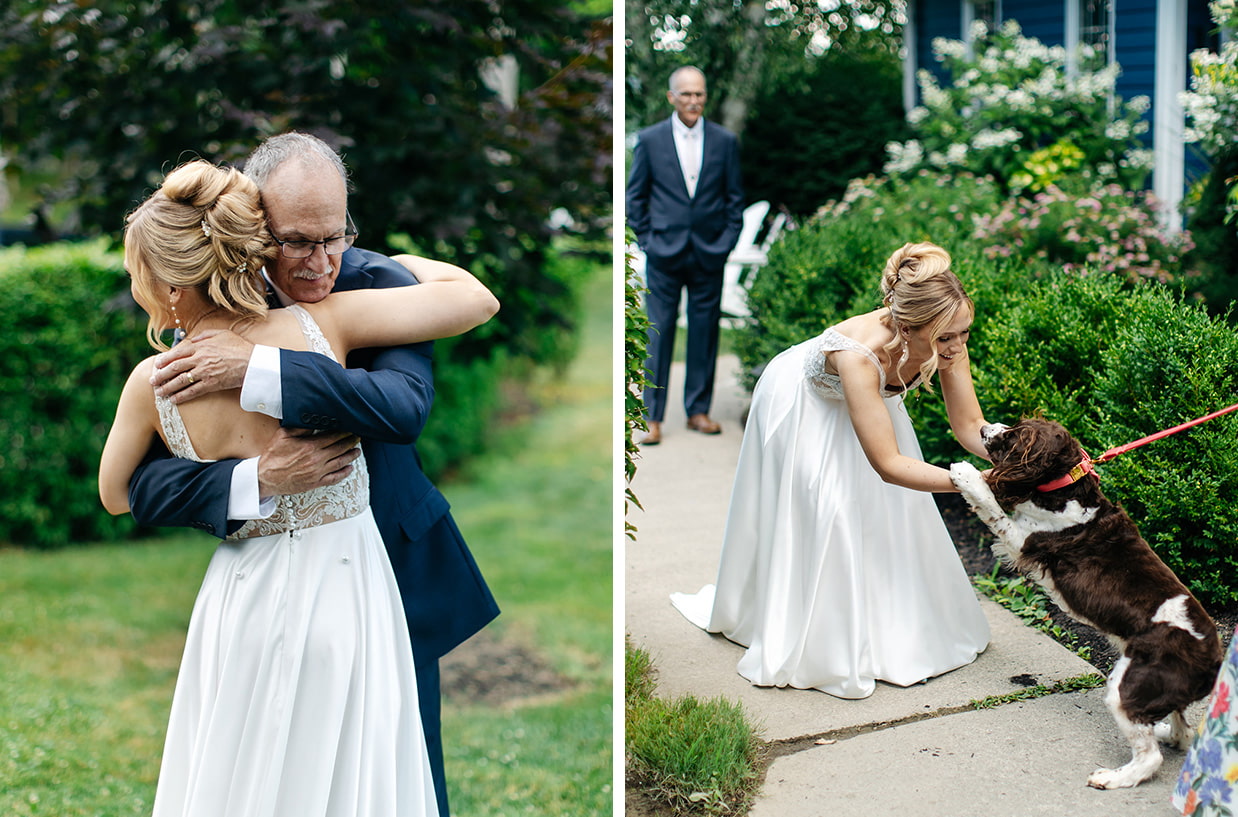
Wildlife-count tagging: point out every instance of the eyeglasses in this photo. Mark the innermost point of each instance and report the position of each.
(331, 246)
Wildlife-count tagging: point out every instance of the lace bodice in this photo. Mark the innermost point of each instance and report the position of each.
(830, 385)
(330, 503)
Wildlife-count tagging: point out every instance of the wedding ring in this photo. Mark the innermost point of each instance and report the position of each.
(189, 377)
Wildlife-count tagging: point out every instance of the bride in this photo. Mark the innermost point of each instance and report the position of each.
(296, 693)
(836, 569)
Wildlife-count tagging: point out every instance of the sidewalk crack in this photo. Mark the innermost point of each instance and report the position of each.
(791, 746)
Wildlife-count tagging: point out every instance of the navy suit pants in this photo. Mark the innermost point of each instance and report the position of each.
(432, 725)
(667, 282)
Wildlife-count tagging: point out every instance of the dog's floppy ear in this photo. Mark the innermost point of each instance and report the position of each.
(1033, 452)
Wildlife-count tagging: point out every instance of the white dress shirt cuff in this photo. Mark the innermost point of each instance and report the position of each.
(243, 500)
(261, 390)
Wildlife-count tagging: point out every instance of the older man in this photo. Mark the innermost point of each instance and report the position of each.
(685, 202)
(384, 397)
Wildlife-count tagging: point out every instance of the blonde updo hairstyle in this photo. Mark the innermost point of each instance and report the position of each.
(203, 229)
(921, 290)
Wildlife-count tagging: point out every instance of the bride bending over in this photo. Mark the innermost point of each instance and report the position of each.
(296, 693)
(836, 569)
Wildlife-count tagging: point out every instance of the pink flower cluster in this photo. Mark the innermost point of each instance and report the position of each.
(1109, 230)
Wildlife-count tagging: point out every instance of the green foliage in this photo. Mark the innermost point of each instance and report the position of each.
(1028, 601)
(102, 98)
(741, 46)
(1214, 260)
(69, 336)
(796, 158)
(1114, 363)
(1108, 229)
(466, 399)
(638, 675)
(1078, 683)
(1211, 105)
(635, 341)
(1010, 98)
(696, 756)
(469, 371)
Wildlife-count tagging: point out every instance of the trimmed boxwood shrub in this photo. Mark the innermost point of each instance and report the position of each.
(1114, 363)
(69, 336)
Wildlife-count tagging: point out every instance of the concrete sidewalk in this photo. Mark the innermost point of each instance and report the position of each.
(919, 751)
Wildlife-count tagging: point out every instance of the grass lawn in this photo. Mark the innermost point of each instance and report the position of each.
(90, 637)
(537, 513)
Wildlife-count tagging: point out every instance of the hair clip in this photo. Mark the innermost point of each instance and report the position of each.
(206, 229)
(243, 268)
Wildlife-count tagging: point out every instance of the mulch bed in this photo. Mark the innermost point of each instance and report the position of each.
(970, 539)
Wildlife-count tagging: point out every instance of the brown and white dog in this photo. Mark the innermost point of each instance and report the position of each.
(1050, 520)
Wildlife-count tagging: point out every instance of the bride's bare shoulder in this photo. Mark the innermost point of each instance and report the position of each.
(869, 329)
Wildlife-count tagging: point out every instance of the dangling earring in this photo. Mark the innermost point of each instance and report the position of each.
(178, 334)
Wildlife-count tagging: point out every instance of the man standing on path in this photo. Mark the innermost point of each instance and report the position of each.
(685, 202)
(384, 397)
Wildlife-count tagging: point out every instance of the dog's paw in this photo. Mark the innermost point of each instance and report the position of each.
(1110, 779)
(965, 476)
(1132, 774)
(1174, 732)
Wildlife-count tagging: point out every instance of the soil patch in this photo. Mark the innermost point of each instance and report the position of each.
(971, 539)
(487, 671)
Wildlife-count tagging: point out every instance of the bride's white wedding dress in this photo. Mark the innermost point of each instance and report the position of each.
(296, 695)
(832, 578)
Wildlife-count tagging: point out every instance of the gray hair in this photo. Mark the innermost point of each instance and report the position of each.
(671, 81)
(275, 151)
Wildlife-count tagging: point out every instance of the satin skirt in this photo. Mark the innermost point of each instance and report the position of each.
(832, 578)
(296, 695)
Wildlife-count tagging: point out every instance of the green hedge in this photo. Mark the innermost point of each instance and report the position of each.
(797, 158)
(69, 336)
(1111, 359)
(1115, 363)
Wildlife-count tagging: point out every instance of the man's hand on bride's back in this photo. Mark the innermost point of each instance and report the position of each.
(298, 460)
(213, 360)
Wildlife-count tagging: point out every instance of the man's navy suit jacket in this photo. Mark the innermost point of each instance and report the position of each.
(666, 221)
(445, 597)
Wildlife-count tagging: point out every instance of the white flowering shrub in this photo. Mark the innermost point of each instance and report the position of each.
(1211, 105)
(1012, 101)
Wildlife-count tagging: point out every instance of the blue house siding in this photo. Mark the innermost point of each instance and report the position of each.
(935, 18)
(1135, 48)
(1044, 21)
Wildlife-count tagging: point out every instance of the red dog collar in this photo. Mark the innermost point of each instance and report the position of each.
(1075, 474)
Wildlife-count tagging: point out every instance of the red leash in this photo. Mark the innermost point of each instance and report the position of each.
(1122, 449)
(1085, 467)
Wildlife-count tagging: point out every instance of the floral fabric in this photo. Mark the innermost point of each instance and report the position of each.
(1206, 787)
